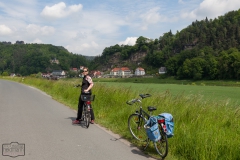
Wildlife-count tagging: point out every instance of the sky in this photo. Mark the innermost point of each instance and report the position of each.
(86, 27)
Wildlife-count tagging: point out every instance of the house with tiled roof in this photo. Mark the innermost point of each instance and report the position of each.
(46, 75)
(74, 69)
(123, 71)
(96, 74)
(139, 71)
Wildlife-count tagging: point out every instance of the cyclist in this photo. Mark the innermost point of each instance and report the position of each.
(87, 84)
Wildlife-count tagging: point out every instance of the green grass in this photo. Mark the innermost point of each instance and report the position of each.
(157, 80)
(204, 129)
(223, 94)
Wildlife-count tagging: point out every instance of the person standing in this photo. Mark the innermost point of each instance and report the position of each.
(87, 84)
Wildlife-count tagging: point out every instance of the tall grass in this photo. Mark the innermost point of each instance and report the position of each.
(204, 129)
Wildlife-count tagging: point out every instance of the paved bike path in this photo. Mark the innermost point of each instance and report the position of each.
(31, 119)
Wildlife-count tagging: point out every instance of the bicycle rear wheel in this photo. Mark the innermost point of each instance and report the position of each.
(87, 117)
(136, 127)
(161, 145)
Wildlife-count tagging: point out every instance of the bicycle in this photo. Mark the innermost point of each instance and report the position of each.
(86, 116)
(136, 122)
(87, 98)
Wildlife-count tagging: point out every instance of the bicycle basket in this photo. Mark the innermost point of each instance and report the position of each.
(152, 129)
(87, 97)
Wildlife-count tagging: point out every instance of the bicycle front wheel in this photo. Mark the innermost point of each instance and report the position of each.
(136, 127)
(161, 145)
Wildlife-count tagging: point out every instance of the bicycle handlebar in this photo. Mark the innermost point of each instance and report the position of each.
(138, 100)
(131, 102)
(144, 95)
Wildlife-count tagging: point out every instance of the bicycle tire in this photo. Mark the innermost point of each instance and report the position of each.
(136, 127)
(161, 145)
(87, 117)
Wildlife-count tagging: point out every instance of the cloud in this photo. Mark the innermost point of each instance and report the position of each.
(88, 48)
(152, 17)
(35, 29)
(5, 30)
(212, 9)
(129, 41)
(60, 10)
(180, 1)
(37, 41)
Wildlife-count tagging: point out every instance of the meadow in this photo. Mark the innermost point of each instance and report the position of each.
(206, 117)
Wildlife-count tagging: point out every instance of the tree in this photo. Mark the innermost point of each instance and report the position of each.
(5, 73)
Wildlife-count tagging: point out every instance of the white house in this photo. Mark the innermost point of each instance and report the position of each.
(162, 70)
(123, 71)
(59, 73)
(139, 71)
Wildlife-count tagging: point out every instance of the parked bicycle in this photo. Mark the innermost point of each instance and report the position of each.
(137, 120)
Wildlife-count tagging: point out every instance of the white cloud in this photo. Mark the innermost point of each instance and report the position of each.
(60, 10)
(129, 41)
(180, 1)
(5, 30)
(46, 30)
(37, 41)
(212, 9)
(36, 29)
(85, 48)
(152, 16)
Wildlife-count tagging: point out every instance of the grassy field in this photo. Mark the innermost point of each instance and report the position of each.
(223, 94)
(206, 121)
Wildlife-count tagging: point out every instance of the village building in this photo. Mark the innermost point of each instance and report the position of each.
(123, 71)
(162, 70)
(96, 74)
(59, 74)
(139, 71)
(74, 69)
(54, 61)
(46, 75)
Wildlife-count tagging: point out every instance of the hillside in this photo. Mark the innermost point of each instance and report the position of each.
(206, 49)
(26, 59)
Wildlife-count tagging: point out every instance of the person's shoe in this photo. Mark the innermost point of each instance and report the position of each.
(92, 122)
(76, 122)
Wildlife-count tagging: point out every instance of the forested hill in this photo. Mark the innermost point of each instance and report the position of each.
(26, 59)
(206, 49)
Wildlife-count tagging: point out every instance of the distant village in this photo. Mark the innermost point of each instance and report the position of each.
(118, 72)
(123, 72)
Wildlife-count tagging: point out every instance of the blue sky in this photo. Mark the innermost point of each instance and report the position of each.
(88, 26)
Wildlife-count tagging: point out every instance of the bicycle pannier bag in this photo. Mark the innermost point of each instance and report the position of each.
(169, 123)
(152, 129)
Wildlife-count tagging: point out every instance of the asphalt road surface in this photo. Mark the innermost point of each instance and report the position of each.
(33, 126)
